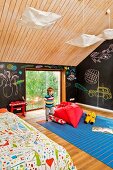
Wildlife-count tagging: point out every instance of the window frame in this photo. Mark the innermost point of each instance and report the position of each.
(62, 82)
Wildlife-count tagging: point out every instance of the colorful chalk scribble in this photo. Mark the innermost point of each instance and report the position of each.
(2, 66)
(20, 72)
(71, 77)
(27, 66)
(18, 82)
(39, 66)
(79, 86)
(102, 92)
(70, 73)
(66, 68)
(12, 67)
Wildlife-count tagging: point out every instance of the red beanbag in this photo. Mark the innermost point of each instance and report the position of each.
(74, 114)
(56, 119)
(63, 104)
(71, 113)
(61, 113)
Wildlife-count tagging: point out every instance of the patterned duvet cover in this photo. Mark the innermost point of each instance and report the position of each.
(22, 147)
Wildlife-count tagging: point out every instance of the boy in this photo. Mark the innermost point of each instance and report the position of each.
(49, 102)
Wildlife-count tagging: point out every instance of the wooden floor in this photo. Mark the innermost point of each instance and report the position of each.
(82, 160)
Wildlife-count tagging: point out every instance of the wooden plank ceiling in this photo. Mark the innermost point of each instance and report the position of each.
(25, 45)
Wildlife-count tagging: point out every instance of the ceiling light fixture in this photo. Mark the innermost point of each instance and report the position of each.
(107, 34)
(34, 18)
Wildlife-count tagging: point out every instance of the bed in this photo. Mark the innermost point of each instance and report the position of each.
(22, 147)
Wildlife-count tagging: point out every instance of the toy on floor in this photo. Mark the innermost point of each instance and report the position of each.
(103, 130)
(90, 118)
(56, 119)
(93, 117)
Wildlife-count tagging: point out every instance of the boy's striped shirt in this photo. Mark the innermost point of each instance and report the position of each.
(49, 101)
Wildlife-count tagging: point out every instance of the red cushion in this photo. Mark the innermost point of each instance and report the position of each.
(63, 104)
(61, 113)
(56, 119)
(74, 114)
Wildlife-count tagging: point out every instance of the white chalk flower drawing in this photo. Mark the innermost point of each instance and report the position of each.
(8, 81)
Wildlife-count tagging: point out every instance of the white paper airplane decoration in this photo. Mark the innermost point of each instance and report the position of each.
(84, 40)
(37, 19)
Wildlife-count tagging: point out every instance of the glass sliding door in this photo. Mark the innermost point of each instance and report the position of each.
(37, 83)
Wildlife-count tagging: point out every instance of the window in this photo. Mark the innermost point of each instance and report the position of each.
(37, 83)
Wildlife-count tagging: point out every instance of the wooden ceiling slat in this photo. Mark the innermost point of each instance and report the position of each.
(82, 50)
(63, 33)
(54, 48)
(15, 12)
(3, 18)
(9, 21)
(50, 31)
(12, 29)
(55, 30)
(86, 49)
(5, 23)
(22, 40)
(54, 56)
(24, 44)
(15, 30)
(2, 5)
(22, 33)
(4, 13)
(34, 39)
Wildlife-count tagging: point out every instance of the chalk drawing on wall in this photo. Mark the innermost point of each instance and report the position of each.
(7, 80)
(39, 66)
(68, 84)
(66, 68)
(97, 57)
(81, 87)
(70, 73)
(27, 66)
(2, 66)
(71, 77)
(91, 76)
(18, 82)
(12, 67)
(20, 72)
(101, 92)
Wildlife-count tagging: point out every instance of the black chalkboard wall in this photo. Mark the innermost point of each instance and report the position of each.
(12, 81)
(95, 77)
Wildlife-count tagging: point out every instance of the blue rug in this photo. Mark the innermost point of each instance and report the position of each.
(97, 144)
